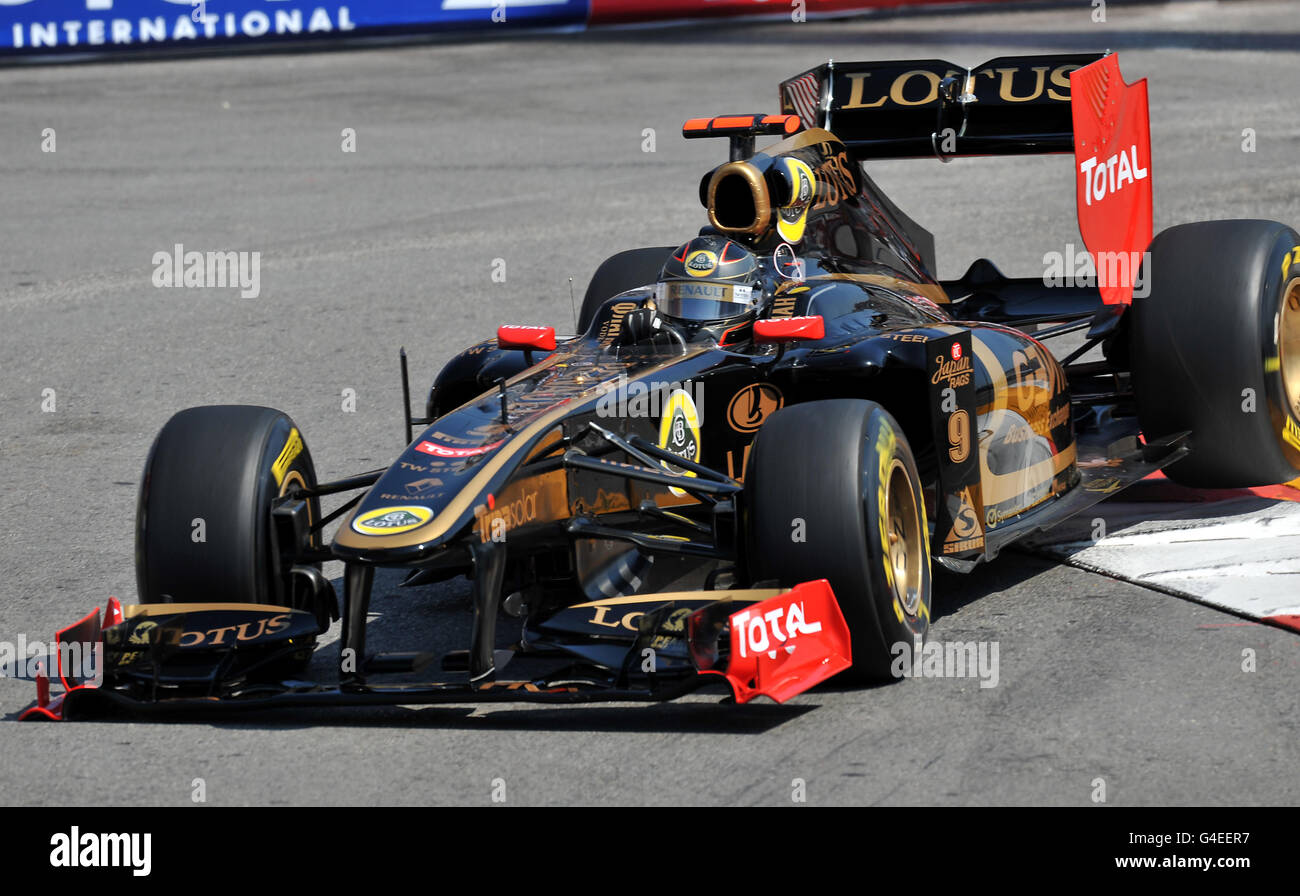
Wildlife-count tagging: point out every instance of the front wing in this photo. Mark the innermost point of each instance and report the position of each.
(190, 658)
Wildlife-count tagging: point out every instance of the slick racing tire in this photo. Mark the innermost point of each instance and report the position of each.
(203, 523)
(1215, 350)
(832, 492)
(619, 273)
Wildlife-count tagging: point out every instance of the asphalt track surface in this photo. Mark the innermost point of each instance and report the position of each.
(531, 151)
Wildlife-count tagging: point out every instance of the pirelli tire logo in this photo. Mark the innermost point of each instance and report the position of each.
(1291, 433)
(292, 448)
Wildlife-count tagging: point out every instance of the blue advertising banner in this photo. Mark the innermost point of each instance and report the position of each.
(104, 26)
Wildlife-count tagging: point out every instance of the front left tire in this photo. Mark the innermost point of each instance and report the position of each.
(832, 492)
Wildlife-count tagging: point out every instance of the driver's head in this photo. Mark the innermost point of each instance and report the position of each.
(710, 279)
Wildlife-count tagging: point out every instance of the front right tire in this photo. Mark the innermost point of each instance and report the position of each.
(203, 523)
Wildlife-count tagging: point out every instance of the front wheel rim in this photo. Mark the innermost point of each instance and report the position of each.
(1288, 346)
(903, 536)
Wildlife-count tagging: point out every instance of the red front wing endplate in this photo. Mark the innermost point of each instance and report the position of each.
(787, 644)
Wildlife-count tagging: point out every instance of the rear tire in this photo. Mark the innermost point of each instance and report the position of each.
(619, 273)
(203, 524)
(1215, 350)
(832, 493)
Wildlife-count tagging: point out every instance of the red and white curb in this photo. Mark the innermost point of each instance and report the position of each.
(1235, 550)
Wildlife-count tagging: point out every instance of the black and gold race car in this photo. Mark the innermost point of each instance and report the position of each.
(743, 467)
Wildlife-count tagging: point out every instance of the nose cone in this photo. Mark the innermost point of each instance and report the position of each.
(422, 497)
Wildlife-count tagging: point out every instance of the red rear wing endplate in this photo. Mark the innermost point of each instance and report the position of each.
(1112, 156)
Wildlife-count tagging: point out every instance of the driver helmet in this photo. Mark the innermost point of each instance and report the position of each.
(709, 279)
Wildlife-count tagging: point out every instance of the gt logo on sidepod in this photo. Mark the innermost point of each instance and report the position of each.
(763, 634)
(391, 520)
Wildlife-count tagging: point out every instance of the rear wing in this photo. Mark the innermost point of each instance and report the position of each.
(1012, 105)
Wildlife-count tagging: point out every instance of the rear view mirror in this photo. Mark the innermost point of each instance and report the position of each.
(527, 338)
(789, 329)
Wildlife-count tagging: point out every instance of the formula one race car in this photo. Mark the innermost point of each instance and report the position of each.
(743, 467)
